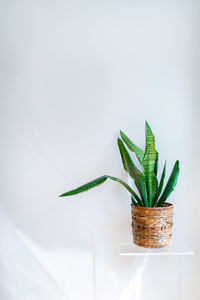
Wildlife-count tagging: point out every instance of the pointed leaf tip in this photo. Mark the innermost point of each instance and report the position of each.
(147, 127)
(172, 181)
(99, 181)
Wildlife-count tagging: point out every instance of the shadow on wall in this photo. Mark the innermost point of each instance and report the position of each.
(22, 276)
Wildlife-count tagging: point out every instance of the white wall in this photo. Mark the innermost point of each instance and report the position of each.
(72, 74)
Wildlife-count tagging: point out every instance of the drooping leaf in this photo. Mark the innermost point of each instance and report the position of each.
(127, 187)
(160, 186)
(172, 181)
(149, 162)
(138, 200)
(156, 164)
(132, 147)
(134, 202)
(133, 171)
(86, 187)
(96, 182)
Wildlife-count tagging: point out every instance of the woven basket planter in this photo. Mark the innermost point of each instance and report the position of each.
(152, 227)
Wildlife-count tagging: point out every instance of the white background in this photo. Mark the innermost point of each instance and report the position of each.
(72, 75)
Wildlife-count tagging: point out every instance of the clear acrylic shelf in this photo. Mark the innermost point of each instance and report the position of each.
(176, 248)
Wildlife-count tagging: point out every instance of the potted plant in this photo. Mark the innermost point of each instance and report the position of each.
(151, 214)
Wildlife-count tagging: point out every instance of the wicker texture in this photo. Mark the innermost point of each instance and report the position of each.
(152, 227)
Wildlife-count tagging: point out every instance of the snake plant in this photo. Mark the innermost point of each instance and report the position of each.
(150, 189)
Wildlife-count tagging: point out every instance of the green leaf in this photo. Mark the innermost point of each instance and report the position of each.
(127, 187)
(132, 147)
(155, 185)
(122, 151)
(149, 162)
(137, 176)
(134, 202)
(170, 184)
(86, 187)
(160, 186)
(139, 201)
(156, 164)
(98, 181)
